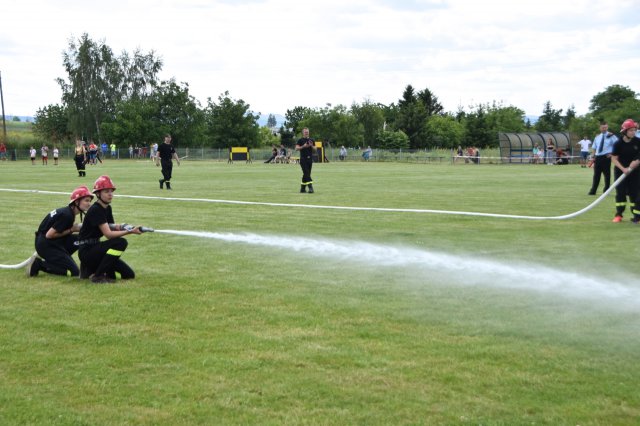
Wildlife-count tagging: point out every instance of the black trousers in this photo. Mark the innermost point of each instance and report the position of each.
(57, 255)
(305, 165)
(602, 166)
(627, 189)
(80, 164)
(104, 259)
(167, 169)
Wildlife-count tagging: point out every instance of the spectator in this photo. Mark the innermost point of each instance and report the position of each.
(343, 153)
(584, 145)
(366, 154)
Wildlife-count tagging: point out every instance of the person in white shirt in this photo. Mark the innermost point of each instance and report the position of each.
(584, 145)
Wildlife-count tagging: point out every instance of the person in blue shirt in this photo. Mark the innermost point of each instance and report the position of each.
(602, 147)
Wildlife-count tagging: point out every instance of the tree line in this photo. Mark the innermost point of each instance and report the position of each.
(119, 98)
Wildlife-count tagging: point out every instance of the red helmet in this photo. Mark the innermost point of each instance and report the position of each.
(103, 182)
(628, 124)
(80, 192)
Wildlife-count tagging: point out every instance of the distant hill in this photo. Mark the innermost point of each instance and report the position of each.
(21, 117)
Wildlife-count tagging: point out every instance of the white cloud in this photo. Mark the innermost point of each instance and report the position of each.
(277, 54)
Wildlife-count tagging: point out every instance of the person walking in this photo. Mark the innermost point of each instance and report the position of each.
(602, 146)
(166, 152)
(100, 260)
(625, 156)
(55, 240)
(307, 147)
(80, 158)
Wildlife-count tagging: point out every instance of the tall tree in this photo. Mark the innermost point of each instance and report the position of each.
(271, 121)
(612, 98)
(444, 131)
(178, 113)
(294, 116)
(430, 101)
(51, 123)
(371, 116)
(411, 119)
(231, 123)
(569, 117)
(98, 80)
(550, 120)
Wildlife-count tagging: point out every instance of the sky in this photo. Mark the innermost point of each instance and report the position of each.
(278, 54)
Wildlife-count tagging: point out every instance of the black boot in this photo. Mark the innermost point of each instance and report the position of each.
(303, 188)
(168, 184)
(161, 182)
(310, 189)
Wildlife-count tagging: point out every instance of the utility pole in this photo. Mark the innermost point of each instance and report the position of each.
(4, 122)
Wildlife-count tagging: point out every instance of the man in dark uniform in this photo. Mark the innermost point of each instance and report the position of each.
(55, 242)
(100, 260)
(602, 146)
(165, 153)
(626, 158)
(307, 147)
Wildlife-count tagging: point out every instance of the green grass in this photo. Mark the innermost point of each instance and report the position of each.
(218, 332)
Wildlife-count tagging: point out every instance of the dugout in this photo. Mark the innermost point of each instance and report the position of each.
(239, 153)
(318, 156)
(518, 147)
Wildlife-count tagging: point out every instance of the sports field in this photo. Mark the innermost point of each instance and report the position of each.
(261, 313)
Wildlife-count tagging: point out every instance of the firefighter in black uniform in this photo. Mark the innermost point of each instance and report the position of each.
(165, 153)
(80, 158)
(55, 242)
(100, 260)
(626, 158)
(307, 147)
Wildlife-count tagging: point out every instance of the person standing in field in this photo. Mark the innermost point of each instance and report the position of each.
(32, 154)
(3, 151)
(551, 152)
(625, 156)
(80, 158)
(55, 242)
(56, 155)
(584, 145)
(166, 152)
(602, 147)
(307, 147)
(44, 153)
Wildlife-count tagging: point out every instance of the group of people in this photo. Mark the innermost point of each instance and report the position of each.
(278, 155)
(58, 237)
(44, 154)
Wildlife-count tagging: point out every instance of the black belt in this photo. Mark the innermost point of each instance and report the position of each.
(88, 241)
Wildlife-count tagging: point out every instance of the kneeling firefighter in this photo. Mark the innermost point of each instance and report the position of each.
(55, 240)
(100, 260)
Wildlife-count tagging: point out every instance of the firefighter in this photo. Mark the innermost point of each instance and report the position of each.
(625, 156)
(100, 260)
(166, 152)
(55, 240)
(307, 147)
(80, 158)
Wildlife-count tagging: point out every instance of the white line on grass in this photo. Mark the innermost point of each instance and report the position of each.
(378, 209)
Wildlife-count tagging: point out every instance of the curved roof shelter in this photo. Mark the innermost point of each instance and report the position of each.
(518, 147)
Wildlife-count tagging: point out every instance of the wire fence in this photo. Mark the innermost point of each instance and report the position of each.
(438, 156)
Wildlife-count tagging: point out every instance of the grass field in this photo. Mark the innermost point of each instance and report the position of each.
(290, 315)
